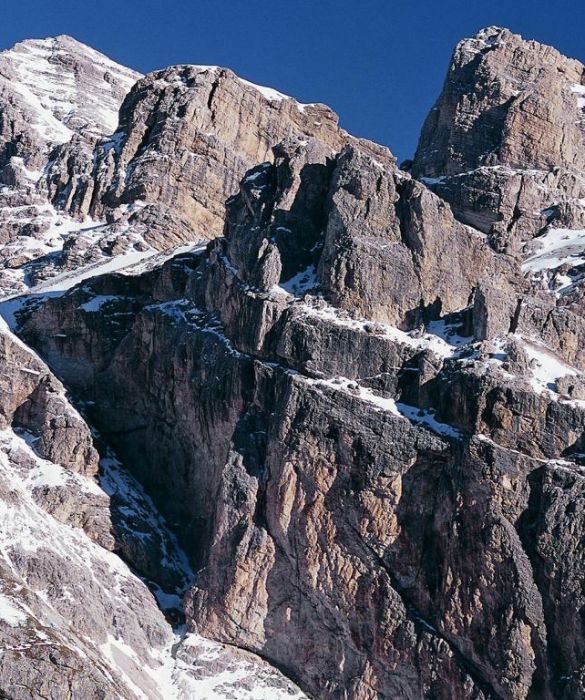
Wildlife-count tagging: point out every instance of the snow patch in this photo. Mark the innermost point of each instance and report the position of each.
(579, 90)
(95, 304)
(433, 180)
(414, 414)
(545, 367)
(555, 248)
(10, 613)
(301, 283)
(444, 343)
(426, 418)
(119, 263)
(351, 387)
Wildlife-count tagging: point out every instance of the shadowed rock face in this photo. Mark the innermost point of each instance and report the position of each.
(360, 409)
(76, 620)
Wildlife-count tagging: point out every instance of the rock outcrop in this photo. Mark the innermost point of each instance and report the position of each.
(505, 142)
(186, 136)
(52, 89)
(86, 184)
(75, 620)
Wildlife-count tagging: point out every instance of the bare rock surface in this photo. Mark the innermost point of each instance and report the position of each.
(505, 142)
(75, 620)
(81, 184)
(505, 101)
(186, 136)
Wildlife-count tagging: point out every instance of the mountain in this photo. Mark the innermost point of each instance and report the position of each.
(90, 573)
(281, 419)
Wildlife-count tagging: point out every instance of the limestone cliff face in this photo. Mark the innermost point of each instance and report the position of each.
(87, 183)
(362, 502)
(359, 411)
(76, 616)
(83, 548)
(186, 137)
(504, 146)
(505, 101)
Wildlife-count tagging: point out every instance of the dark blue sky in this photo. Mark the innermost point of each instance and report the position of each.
(378, 63)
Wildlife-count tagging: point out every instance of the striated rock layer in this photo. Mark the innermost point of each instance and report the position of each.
(505, 142)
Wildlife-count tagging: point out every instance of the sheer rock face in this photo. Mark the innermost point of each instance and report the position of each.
(506, 101)
(186, 136)
(379, 244)
(393, 252)
(505, 142)
(360, 409)
(362, 503)
(504, 146)
(75, 621)
(152, 178)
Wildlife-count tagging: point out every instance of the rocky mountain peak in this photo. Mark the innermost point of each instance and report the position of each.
(506, 101)
(505, 142)
(485, 38)
(65, 86)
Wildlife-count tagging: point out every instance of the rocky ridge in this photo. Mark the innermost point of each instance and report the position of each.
(154, 176)
(361, 408)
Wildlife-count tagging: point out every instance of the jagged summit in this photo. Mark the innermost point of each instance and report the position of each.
(490, 32)
(268, 92)
(506, 101)
(483, 40)
(505, 142)
(55, 43)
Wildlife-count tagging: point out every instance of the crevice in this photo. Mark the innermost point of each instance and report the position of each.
(517, 212)
(549, 667)
(150, 124)
(212, 92)
(130, 431)
(423, 625)
(516, 316)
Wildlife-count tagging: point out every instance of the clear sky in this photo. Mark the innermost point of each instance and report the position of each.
(379, 63)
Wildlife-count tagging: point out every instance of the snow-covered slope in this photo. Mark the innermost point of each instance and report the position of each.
(56, 94)
(66, 86)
